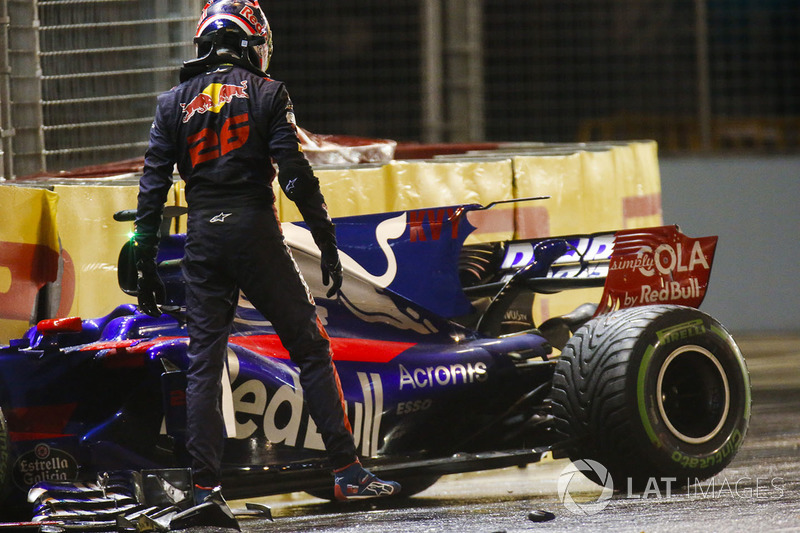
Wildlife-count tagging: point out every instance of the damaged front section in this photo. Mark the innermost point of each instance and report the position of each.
(132, 502)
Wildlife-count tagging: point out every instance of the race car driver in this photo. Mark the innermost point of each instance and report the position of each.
(224, 125)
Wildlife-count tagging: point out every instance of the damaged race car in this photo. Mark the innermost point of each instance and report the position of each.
(442, 367)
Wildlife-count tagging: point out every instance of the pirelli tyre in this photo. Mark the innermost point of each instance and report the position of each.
(655, 394)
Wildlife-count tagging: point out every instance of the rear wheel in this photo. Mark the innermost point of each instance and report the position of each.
(656, 394)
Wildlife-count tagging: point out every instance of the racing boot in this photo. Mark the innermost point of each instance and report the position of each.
(354, 482)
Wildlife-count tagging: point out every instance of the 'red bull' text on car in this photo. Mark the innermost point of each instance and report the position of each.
(441, 364)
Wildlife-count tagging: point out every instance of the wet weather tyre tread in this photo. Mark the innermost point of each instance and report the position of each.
(604, 405)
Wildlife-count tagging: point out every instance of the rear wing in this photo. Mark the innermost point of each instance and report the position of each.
(657, 265)
(584, 263)
(635, 267)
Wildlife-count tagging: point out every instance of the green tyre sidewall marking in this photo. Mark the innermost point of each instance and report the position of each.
(640, 397)
(725, 336)
(666, 453)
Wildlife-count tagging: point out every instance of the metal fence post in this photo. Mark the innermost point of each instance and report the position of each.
(476, 93)
(26, 88)
(6, 129)
(464, 67)
(432, 71)
(703, 74)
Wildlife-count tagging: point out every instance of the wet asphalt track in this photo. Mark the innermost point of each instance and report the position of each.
(759, 491)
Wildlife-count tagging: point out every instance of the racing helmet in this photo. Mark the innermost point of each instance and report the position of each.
(236, 27)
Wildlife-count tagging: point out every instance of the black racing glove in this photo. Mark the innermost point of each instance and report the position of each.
(330, 264)
(150, 288)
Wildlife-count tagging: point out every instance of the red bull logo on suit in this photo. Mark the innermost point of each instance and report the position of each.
(213, 98)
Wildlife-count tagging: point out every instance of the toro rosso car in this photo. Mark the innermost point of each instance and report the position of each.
(442, 367)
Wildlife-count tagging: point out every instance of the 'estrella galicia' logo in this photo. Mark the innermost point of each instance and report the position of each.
(44, 463)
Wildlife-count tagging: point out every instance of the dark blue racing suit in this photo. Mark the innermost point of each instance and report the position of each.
(224, 127)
